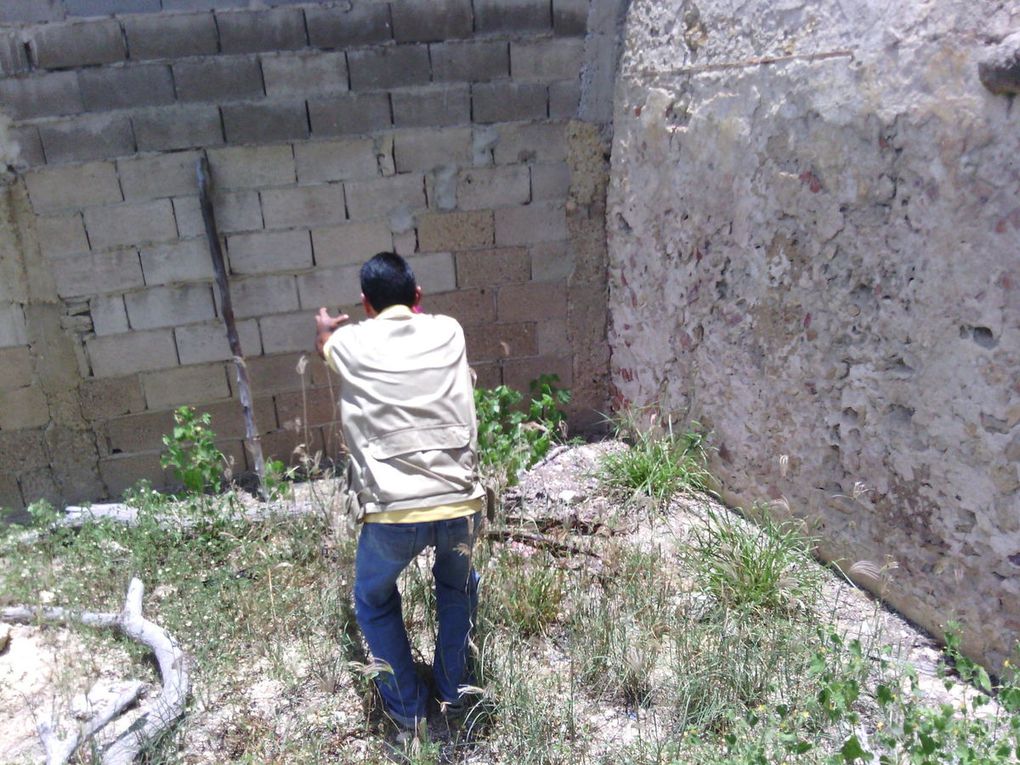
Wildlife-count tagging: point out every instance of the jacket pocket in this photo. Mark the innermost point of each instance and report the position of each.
(409, 440)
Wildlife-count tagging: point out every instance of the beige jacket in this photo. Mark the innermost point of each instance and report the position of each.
(407, 410)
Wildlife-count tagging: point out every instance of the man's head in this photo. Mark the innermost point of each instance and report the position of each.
(387, 280)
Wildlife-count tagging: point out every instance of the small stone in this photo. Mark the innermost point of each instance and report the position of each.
(5, 637)
(570, 497)
(46, 597)
(999, 68)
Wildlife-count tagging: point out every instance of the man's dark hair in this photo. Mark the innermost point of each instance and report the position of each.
(388, 280)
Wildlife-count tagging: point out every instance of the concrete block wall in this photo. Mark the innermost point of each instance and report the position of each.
(447, 131)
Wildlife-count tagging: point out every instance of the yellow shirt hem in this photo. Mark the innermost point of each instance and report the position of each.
(427, 514)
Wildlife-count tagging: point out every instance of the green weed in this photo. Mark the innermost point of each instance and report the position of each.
(512, 438)
(659, 463)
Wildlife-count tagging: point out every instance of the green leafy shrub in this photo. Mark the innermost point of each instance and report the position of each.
(190, 451)
(512, 438)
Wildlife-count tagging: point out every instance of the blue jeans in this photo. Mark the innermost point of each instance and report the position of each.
(384, 550)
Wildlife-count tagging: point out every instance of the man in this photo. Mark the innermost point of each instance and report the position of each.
(408, 417)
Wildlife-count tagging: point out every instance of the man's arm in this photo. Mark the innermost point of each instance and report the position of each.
(326, 325)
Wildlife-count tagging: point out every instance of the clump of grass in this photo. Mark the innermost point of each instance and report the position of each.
(660, 462)
(763, 568)
(523, 593)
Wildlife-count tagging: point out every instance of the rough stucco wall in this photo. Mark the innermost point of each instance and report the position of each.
(468, 135)
(814, 236)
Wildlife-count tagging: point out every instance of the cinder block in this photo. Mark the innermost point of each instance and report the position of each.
(553, 337)
(570, 17)
(63, 46)
(268, 252)
(198, 343)
(12, 326)
(22, 450)
(546, 60)
(137, 433)
(61, 235)
(235, 212)
(350, 244)
(551, 262)
(255, 31)
(491, 268)
(470, 61)
(88, 137)
(185, 385)
(304, 206)
(378, 198)
(121, 473)
(110, 7)
(512, 16)
(219, 79)
(228, 416)
(110, 397)
(11, 499)
(431, 20)
(15, 367)
(289, 446)
(394, 67)
(252, 167)
(25, 147)
(424, 150)
(162, 175)
(564, 99)
(97, 274)
(23, 408)
(13, 55)
(435, 272)
(317, 406)
(188, 215)
(53, 94)
(508, 101)
(543, 142)
(30, 11)
(349, 25)
(350, 113)
(203, 5)
(126, 87)
(271, 374)
(539, 222)
(169, 306)
(109, 317)
(118, 355)
(550, 181)
(80, 186)
(330, 287)
(532, 301)
(432, 107)
(130, 224)
(469, 307)
(501, 341)
(262, 295)
(336, 160)
(307, 73)
(288, 332)
(265, 122)
(177, 127)
(518, 373)
(455, 230)
(170, 35)
(485, 187)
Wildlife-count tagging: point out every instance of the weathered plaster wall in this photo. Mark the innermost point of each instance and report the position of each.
(469, 135)
(814, 234)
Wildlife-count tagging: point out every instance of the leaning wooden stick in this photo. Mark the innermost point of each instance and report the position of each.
(252, 437)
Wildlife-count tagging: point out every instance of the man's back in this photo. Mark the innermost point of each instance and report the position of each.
(407, 409)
